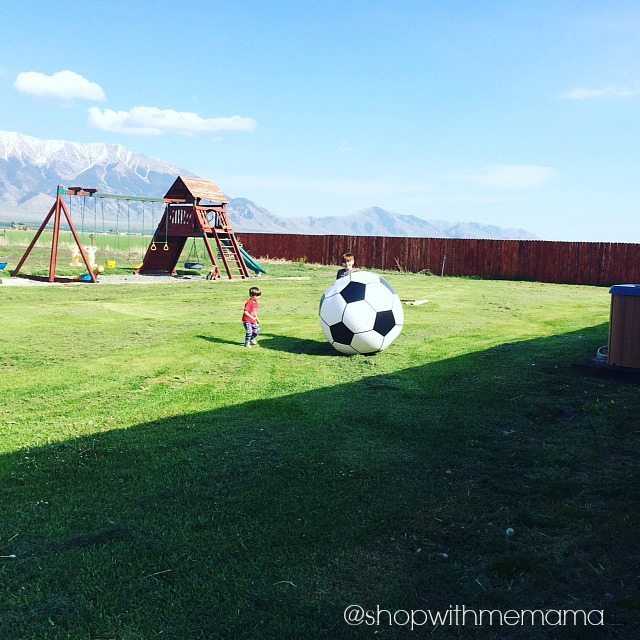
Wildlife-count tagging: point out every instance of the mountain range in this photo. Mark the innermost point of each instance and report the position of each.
(32, 168)
(373, 221)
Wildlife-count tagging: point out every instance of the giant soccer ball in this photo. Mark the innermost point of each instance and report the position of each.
(361, 313)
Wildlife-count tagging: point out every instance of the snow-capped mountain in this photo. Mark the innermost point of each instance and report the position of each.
(32, 168)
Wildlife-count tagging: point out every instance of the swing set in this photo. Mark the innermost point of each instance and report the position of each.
(81, 255)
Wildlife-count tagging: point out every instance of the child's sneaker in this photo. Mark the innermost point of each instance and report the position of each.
(253, 343)
(247, 345)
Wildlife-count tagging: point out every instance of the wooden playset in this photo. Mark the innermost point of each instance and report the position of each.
(193, 208)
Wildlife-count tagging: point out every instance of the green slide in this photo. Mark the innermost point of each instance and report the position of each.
(251, 263)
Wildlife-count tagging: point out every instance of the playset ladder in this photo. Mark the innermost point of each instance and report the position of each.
(226, 242)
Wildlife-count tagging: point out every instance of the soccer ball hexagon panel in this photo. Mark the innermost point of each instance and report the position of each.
(361, 313)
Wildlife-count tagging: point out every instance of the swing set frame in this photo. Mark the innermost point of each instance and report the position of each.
(57, 211)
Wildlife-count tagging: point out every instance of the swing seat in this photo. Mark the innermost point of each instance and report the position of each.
(192, 261)
(110, 264)
(3, 265)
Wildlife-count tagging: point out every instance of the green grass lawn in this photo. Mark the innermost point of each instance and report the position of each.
(160, 481)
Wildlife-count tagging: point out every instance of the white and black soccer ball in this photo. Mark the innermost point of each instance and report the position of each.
(361, 313)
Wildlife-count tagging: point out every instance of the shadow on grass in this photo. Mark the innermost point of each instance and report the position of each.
(297, 345)
(265, 520)
(283, 343)
(215, 340)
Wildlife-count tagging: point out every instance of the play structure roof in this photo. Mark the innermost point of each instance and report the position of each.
(194, 190)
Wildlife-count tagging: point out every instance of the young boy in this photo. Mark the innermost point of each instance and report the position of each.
(347, 266)
(250, 319)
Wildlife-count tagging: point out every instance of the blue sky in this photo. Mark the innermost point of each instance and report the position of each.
(517, 114)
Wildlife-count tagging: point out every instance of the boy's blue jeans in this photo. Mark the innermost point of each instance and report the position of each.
(251, 332)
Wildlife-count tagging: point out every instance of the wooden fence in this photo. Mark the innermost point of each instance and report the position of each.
(594, 263)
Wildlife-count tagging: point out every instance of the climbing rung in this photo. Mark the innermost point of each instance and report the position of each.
(219, 229)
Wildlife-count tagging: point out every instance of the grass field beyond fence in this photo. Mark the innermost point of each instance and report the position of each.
(159, 481)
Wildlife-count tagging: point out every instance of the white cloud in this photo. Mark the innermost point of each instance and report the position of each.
(581, 93)
(65, 85)
(509, 176)
(155, 121)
